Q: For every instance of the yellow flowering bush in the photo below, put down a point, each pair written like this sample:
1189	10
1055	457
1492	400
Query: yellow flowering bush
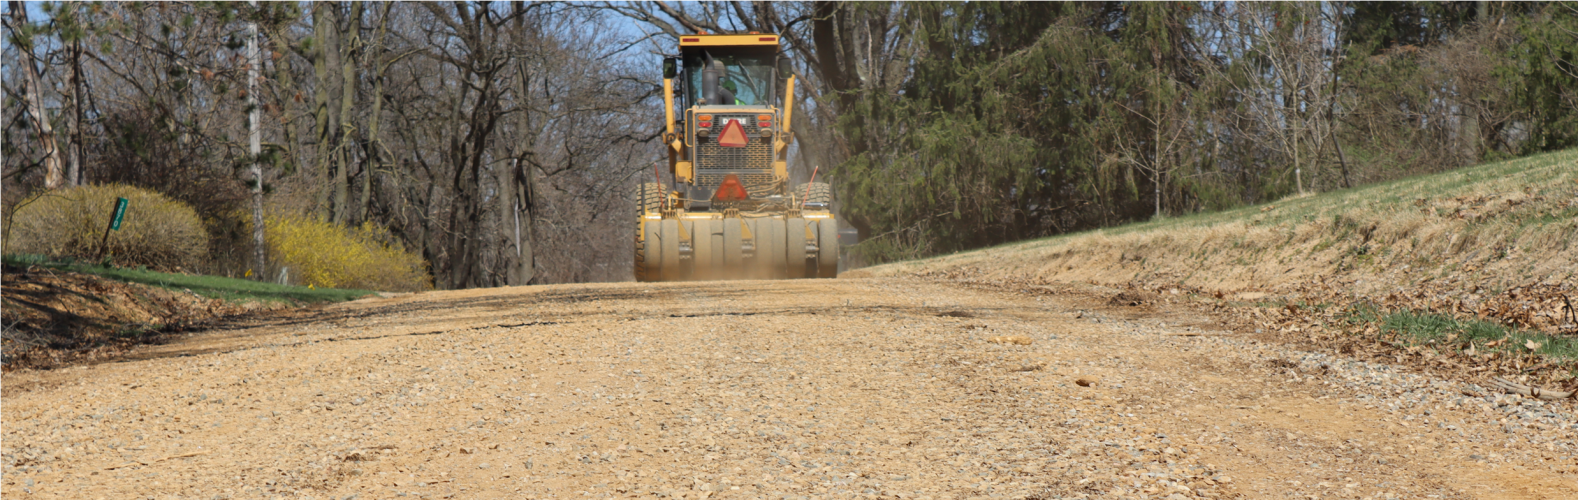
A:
323	254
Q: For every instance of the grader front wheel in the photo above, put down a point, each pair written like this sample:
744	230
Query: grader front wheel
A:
668	237
770	245
827	248
705	252
648	198
649	255
794	250
733	249
641	262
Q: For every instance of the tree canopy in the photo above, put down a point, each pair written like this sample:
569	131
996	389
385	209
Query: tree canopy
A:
498	139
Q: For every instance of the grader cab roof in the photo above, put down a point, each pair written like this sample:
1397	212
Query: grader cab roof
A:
736	40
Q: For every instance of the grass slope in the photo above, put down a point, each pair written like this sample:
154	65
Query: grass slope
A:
1461	256
1499	223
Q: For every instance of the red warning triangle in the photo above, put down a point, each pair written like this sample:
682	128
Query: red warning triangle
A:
733	135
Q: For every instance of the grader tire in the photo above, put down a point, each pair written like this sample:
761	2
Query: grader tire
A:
733	249
819	192
640	261
770	248
649	255
668	236
794	232
827	248
703	250
647	197
752	263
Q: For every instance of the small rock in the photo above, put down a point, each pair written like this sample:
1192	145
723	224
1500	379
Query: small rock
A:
1087	380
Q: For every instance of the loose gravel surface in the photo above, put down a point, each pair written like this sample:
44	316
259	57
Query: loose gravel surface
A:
806	389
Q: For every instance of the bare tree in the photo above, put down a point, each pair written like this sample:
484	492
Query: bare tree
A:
21	32
1279	69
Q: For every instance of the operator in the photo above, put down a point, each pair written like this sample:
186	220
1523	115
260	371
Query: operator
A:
733	92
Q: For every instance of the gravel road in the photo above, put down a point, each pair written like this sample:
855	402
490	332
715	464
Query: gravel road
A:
806	389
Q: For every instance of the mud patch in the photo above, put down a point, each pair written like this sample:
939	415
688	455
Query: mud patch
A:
1132	298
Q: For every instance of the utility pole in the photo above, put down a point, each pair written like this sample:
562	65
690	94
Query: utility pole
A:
256	143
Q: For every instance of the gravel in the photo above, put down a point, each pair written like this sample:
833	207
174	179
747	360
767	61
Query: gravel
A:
806	389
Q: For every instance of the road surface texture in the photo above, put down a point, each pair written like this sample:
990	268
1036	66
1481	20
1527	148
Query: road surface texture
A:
895	388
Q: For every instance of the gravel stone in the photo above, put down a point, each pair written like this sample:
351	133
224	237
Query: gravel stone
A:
789	389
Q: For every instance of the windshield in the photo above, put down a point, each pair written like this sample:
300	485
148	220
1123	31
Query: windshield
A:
749	74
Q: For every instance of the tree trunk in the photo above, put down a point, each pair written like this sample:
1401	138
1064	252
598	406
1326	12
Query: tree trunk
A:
1298	172
75	177
349	39
327	125
374	157
254	143
54	178
523	269
1331	107
286	85
514	230
1156	132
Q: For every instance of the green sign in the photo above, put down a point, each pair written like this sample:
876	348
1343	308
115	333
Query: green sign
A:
120	213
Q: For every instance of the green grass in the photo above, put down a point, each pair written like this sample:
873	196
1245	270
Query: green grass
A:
1372	219
229	289
1542	170
1430	329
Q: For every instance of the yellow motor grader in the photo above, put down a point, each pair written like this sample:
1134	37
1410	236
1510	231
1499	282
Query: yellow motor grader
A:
729	211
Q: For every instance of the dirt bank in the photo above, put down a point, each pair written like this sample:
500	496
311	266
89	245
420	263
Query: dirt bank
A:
57	318
1494	243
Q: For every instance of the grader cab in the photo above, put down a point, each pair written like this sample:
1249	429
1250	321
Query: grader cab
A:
729	211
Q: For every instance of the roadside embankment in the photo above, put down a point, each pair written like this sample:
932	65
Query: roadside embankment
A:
1479	263
57	314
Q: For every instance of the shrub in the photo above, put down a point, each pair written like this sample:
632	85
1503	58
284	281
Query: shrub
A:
156	231
325	254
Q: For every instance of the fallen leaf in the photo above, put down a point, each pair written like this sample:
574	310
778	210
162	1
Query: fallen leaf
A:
1532	345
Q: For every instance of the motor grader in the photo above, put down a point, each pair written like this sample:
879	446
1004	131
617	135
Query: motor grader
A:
728	211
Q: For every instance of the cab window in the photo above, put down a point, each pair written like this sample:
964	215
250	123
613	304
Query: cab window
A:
749	71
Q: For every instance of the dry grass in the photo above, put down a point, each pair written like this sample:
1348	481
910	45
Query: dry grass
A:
1478	230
